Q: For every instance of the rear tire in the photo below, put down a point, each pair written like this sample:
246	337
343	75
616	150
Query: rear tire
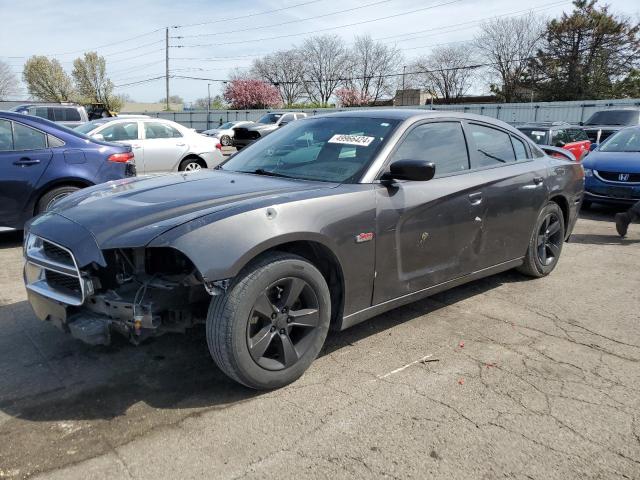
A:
546	242
586	204
225	141
52	196
191	165
271	323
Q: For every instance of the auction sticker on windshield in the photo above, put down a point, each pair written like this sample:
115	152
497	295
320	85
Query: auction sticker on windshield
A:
358	140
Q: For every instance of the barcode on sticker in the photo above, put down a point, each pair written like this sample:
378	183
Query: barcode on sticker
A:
358	140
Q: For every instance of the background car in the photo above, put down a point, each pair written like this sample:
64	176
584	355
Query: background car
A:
267	124
158	145
605	123
612	170
559	134
226	131
69	115
41	162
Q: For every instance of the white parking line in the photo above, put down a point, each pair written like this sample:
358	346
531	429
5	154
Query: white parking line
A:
405	366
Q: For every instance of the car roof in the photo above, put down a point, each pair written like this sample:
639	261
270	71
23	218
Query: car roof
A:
63	105
549	125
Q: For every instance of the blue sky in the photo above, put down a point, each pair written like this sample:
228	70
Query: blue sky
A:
65	28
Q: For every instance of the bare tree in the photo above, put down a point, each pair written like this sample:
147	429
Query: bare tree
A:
46	80
370	64
325	60
285	70
92	83
508	44
8	81
444	71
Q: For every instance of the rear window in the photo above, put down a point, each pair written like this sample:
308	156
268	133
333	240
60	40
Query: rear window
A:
614	117
538	136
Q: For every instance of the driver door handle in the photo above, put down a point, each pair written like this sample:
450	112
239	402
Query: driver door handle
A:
26	162
538	180
475	198
179	144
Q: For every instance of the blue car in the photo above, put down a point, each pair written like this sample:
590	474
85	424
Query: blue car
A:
41	162
612	170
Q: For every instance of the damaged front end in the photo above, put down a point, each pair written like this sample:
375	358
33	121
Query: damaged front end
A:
138	292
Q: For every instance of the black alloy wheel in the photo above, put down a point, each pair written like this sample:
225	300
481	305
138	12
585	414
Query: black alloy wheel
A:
550	239
225	141
282	323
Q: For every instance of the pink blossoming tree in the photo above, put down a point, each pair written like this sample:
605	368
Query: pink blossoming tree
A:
244	94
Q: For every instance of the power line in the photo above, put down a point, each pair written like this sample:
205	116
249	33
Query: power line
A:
265	12
322	29
288	22
140	82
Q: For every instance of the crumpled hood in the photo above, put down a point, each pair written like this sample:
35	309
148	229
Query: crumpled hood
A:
131	213
622	162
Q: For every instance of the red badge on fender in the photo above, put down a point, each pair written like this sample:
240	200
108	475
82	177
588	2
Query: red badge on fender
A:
364	237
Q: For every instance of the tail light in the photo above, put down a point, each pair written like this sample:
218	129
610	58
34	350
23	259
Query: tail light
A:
126	157
219	146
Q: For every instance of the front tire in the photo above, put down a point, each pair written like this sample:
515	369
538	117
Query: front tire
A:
546	242
271	323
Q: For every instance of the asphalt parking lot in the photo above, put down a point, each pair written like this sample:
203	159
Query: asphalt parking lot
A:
502	378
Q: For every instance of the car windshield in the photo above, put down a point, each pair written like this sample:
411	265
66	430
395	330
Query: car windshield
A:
623	141
225	126
328	149
270	118
538	136
614	117
89	126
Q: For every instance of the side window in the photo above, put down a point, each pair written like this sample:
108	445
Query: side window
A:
153	130
560	137
54	141
287	118
71	115
442	143
58	114
578	135
6	136
519	148
27	138
119	132
492	147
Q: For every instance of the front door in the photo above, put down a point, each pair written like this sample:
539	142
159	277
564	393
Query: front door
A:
24	156
428	232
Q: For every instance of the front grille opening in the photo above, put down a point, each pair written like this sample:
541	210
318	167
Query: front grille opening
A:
62	282
56	253
615	176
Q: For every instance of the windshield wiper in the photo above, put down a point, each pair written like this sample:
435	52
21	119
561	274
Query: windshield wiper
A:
267	173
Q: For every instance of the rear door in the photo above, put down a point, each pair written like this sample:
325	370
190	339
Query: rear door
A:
163	145
427	232
513	189
24	156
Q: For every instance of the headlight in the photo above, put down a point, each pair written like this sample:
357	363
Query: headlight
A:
588	172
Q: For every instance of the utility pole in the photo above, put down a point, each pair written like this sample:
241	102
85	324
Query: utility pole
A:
166	65
208	103
404	69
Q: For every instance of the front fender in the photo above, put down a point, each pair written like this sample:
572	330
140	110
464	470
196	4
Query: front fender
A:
222	243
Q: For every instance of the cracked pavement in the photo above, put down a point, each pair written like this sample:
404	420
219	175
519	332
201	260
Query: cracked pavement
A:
526	379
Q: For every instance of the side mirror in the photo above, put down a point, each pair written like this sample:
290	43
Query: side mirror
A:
560	144
416	170
593	146
98	136
282	124
581	124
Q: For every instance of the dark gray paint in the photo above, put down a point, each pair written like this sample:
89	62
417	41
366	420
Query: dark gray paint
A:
428	235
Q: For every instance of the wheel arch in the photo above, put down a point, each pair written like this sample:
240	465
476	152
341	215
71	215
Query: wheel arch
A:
193	156
563	203
58	182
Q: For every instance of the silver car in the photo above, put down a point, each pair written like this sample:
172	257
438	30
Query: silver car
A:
68	114
158	145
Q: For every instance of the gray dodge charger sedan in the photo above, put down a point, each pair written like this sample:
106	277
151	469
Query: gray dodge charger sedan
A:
325	223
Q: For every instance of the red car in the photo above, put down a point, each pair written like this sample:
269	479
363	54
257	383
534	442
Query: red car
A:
559	134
